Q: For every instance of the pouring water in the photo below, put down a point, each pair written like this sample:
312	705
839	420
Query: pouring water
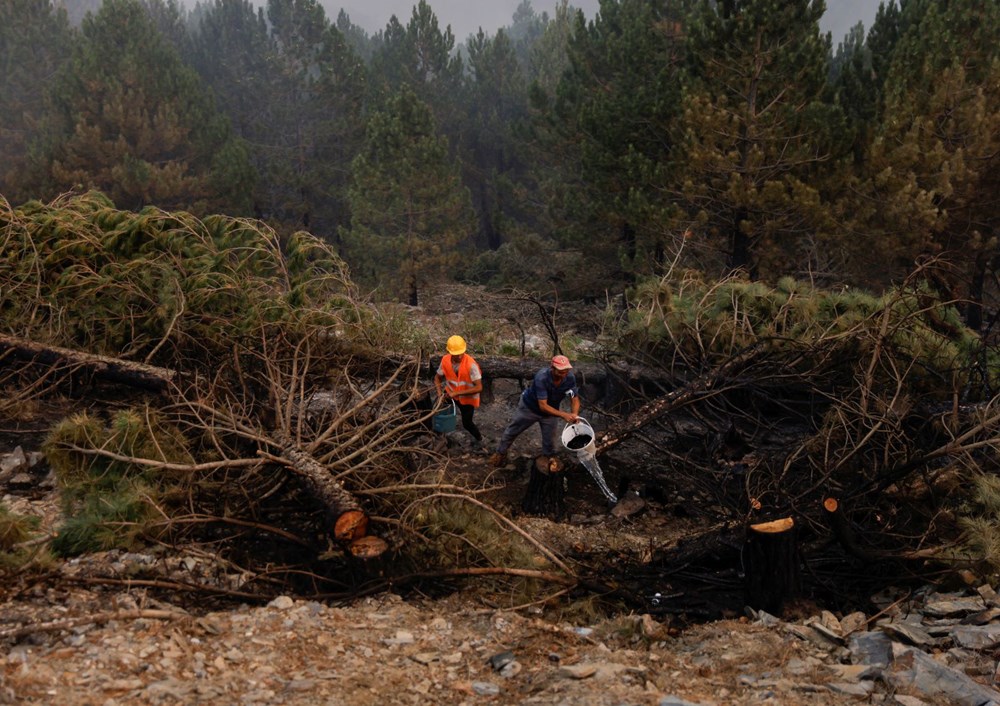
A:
579	437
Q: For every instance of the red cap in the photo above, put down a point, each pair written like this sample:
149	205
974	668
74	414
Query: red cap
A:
561	362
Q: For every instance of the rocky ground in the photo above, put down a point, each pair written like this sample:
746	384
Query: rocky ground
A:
66	641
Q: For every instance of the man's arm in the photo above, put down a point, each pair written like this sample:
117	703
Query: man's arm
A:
549	409
477	386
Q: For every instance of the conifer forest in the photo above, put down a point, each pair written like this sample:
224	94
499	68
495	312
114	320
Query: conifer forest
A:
223	221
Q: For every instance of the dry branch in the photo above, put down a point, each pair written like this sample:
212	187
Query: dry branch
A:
68	623
698	388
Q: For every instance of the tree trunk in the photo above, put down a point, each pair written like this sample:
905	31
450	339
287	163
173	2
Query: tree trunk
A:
675	399
771	562
348	523
546	493
125	372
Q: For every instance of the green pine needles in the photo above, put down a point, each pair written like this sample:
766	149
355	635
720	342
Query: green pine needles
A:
152	285
109	493
710	321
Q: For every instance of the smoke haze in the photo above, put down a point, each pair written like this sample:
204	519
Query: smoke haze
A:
467	16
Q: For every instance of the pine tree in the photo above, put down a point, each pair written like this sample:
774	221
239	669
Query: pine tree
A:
35	41
294	91
758	130
132	121
547	57
856	89
933	170
607	132
497	104
421	57
409	209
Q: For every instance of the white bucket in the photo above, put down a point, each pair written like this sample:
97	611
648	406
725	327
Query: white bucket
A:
579	437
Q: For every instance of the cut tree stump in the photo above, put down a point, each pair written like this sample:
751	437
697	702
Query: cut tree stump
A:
368	557
841	526
546	492
771	565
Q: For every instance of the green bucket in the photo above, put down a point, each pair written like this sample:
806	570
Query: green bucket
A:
444	422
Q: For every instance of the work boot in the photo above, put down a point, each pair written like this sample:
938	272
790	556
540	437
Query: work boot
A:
498	459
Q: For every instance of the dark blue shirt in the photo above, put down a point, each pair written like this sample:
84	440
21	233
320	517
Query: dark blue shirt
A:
543	387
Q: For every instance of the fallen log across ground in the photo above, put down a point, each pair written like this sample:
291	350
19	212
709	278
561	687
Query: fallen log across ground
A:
586	373
151	377
348	522
125	372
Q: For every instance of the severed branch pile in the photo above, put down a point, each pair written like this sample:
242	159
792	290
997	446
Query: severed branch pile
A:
272	433
867	431
294	455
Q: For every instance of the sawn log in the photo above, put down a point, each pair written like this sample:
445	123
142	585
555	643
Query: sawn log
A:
348	522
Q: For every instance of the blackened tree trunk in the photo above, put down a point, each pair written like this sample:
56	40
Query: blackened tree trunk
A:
771	562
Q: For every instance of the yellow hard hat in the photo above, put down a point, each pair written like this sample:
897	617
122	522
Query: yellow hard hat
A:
456	345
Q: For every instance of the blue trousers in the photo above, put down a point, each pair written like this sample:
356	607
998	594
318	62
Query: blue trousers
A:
524	418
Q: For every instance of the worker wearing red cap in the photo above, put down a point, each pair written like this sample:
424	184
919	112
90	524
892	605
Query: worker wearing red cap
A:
463	381
539	404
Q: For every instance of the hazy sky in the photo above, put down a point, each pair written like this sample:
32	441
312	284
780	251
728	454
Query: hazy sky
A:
466	16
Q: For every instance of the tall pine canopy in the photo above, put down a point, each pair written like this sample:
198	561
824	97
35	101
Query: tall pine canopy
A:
758	130
410	211
607	130
35	41
494	155
933	172
134	122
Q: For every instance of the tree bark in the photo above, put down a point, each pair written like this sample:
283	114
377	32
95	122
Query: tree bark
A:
348	522
771	561
125	372
545	494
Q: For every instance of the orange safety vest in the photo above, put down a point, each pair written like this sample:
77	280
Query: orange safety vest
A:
462	380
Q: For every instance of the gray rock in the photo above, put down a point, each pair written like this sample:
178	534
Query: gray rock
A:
578	671
810	634
988	595
833	635
952	607
983	617
485	688
871	648
904	700
913	669
856	672
501	660
976	637
910	633
14	461
281	603
861	688
853	623
511	669
677	701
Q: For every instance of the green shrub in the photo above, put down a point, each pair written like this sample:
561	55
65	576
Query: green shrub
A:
108	494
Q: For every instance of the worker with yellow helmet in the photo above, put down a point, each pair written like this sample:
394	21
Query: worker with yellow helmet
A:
462	382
